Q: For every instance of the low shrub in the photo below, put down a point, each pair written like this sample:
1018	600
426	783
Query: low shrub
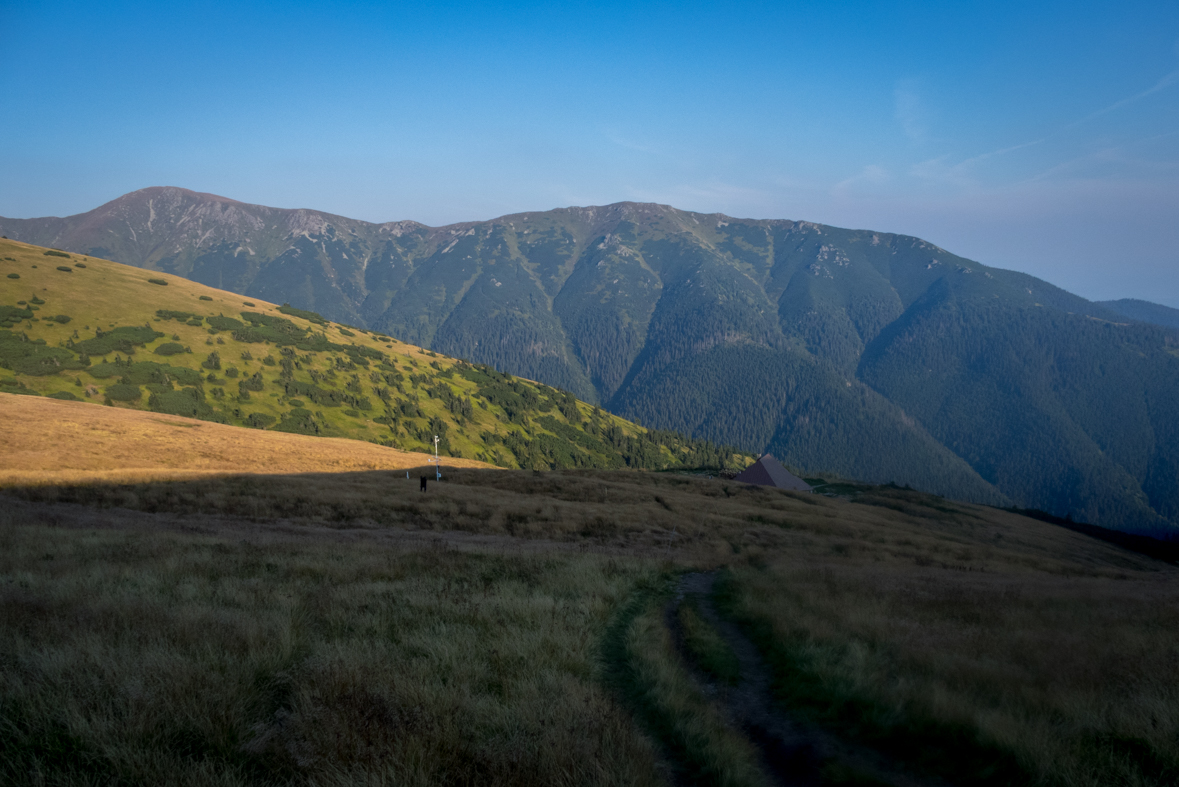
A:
65	268
123	392
65	396
169	348
161	282
286	308
61	318
14	275
79	265
55	253
205	298
168	314
260	420
188	402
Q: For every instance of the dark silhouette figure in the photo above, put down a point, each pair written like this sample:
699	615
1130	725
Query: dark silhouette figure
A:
423	483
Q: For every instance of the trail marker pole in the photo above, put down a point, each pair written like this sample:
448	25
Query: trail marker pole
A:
435	461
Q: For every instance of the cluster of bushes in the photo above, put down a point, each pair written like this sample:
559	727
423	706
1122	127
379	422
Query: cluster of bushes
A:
189	402
11	315
123	392
34	357
170	348
122	340
301	421
168	314
312	317
145	372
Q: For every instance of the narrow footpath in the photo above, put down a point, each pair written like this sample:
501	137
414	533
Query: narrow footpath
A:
793	754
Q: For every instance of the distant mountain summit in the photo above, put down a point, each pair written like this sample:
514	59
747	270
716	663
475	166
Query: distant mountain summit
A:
1144	311
877	356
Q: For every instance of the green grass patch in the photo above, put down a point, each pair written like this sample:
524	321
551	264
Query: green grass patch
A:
705	645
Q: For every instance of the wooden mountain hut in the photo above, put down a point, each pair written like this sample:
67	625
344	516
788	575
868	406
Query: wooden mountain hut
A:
768	471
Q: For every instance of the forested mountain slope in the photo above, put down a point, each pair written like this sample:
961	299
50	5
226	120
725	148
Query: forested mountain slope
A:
878	356
1144	311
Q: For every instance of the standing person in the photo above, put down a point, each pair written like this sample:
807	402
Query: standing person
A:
423	483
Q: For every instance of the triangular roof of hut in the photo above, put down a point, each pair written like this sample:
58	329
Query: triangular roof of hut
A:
767	471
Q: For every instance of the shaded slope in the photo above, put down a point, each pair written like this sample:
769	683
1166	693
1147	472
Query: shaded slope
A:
1059	410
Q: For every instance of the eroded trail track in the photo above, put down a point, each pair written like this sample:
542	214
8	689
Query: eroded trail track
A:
793	753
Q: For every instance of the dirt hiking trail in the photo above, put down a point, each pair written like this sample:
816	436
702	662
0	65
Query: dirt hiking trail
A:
793	753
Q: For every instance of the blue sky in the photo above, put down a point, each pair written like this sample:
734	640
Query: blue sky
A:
1037	136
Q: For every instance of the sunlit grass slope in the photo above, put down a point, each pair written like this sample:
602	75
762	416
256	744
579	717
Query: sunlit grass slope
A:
55	442
76	327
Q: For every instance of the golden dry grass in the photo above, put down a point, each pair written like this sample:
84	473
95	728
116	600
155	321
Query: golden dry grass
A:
47	441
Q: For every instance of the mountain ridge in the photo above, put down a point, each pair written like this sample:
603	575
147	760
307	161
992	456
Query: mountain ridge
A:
798	338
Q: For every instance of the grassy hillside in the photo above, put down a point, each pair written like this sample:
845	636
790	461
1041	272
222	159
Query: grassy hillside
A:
78	328
48	441
519	628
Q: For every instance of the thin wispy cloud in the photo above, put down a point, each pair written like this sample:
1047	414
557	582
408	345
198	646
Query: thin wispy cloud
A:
1164	83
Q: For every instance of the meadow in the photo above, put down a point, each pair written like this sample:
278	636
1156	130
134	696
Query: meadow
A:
519	627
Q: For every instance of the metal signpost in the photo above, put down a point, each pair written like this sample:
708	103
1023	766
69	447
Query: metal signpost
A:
435	461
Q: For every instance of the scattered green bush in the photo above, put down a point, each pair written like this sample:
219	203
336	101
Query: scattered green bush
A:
65	396
34	357
253	383
223	323
61	318
205	298
79	265
161	282
346	332
65	268
168	314
189	402
14	275
36	301
123	392
286	308
54	253
122	340
11	385
144	372
299	421
260	420
247	303
169	348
